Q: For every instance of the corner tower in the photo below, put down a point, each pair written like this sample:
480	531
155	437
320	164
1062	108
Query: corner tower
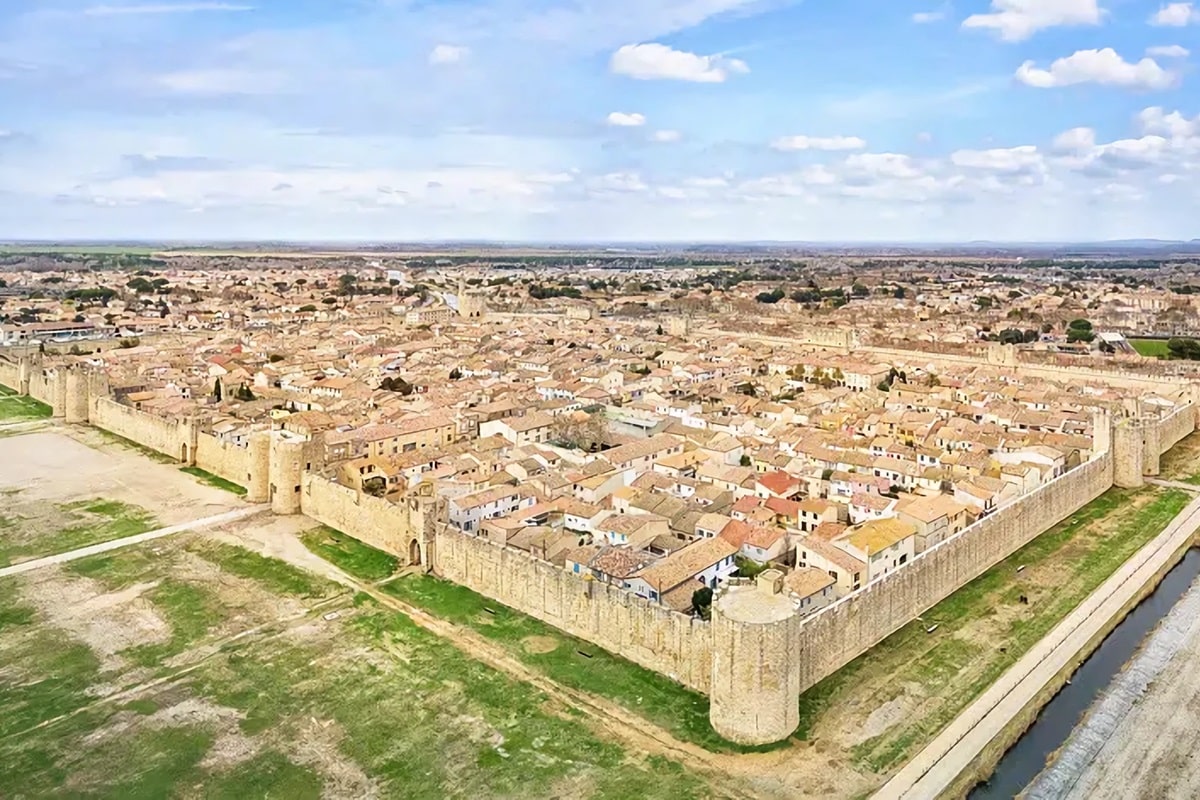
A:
755	696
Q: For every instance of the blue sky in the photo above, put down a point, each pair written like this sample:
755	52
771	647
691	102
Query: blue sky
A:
570	120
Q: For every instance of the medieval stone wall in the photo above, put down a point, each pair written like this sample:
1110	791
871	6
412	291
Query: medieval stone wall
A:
834	636
655	637
162	435
223	459
390	527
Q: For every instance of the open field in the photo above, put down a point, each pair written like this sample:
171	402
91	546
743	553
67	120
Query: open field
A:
31	530
675	708
15	408
199	669
191	666
350	555
59	466
1151	348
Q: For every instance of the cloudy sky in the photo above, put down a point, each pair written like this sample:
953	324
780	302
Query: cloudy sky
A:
560	120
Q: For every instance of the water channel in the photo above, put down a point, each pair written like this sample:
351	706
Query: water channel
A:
1100	679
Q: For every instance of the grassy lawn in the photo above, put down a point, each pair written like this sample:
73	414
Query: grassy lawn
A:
350	555
366	703
15	408
673	707
73	525
215	481
273	574
1152	348
983	629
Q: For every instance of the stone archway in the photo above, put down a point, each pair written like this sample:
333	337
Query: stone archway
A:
414	553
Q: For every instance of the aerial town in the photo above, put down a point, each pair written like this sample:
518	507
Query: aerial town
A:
737	473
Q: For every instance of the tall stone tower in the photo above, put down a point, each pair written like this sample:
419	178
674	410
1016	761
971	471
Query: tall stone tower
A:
470	304
755	696
287	469
1129	454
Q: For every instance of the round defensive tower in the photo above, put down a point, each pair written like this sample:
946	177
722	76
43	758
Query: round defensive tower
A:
755	697
78	396
287	456
1129	454
258	481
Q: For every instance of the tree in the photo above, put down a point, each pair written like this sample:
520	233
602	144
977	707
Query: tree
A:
771	297
244	394
1183	348
275	358
217	393
346	284
702	602
899	293
308	309
659	331
745	460
455	374
1080	330
397	385
859	290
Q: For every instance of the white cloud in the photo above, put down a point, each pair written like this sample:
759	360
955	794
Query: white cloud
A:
1176	15
1104	67
448	54
162	8
619	119
1076	140
659	62
1154	120
222	82
1017	20
884	165
666	136
1023	159
794	143
620	182
925	17
1168	51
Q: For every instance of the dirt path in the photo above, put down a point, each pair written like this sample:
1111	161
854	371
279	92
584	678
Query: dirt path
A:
787	773
129	541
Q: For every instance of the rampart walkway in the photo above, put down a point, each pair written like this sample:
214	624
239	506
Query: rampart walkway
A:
149	536
936	769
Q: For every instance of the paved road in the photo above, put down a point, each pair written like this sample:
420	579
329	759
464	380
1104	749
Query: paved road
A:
149	536
936	767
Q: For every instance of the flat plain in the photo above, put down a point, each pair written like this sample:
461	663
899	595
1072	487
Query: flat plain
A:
192	666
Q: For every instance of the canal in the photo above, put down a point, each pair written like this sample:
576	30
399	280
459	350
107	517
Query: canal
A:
1021	766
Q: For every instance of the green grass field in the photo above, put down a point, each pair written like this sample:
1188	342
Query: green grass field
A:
350	555
216	481
983	628
1151	348
15	408
659	699
364	703
69	527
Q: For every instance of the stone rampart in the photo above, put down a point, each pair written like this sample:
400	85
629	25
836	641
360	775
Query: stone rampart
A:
162	435
834	636
10	374
1172	429
651	635
388	526
223	459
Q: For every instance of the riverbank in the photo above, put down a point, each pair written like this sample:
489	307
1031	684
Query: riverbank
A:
968	750
1139	739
